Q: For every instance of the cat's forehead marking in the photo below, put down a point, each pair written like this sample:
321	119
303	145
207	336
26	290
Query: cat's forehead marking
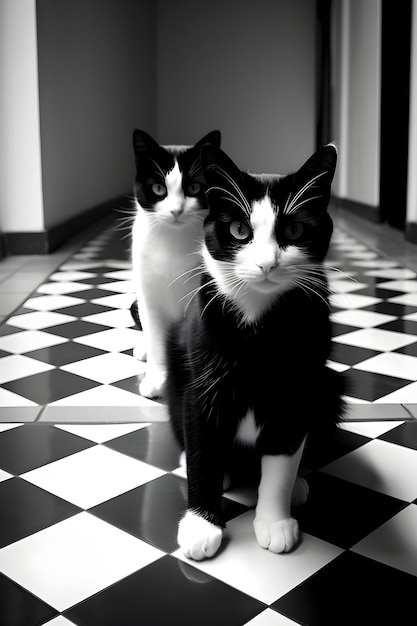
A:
263	218
174	178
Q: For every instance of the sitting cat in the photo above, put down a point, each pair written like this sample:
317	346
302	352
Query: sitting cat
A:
247	365
166	236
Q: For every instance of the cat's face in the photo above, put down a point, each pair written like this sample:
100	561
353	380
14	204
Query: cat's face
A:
266	234
169	184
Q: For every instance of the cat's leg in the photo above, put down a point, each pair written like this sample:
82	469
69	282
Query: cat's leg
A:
275	529
154	332
200	530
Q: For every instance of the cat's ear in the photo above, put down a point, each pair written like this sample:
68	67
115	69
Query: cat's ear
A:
142	143
218	168
322	164
214	138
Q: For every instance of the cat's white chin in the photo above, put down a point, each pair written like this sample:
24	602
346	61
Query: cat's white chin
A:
265	286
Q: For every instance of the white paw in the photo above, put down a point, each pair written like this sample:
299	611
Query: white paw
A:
152	385
198	538
300	492
277	537
139	352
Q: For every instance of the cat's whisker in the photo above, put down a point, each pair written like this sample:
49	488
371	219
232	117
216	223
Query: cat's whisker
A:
235	187
194	272
295	208
292	200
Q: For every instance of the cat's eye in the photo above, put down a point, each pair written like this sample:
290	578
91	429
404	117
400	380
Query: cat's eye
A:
159	190
239	230
193	189
294	231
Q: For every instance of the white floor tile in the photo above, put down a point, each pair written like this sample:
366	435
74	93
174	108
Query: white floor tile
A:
72	560
395	542
101	432
92	476
120	318
114	340
39	320
50	303
67	276
381	466
376	339
118	301
260	573
269	618
378	264
4	475
352	300
120	275
408	286
106	396
360	318
107	368
405	395
29	340
391	364
120	286
346	286
10	399
409	299
61	288
19	366
394	273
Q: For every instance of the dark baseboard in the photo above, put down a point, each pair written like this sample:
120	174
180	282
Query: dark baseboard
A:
49	240
411	232
2	247
367	211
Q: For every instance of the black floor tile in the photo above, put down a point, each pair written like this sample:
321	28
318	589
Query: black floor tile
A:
49	386
82	310
352	590
165	593
341	512
370	386
401	326
26	509
319	451
404	435
73	330
152	511
350	355
20	608
56	355
155	445
26	447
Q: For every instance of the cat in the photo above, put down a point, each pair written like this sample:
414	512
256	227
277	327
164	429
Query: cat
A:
247	365
166	236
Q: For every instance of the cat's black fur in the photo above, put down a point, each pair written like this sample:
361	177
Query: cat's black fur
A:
153	161
219	367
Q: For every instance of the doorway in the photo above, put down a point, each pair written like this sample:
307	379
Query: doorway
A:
395	94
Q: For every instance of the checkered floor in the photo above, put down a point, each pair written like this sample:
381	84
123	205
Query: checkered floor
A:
91	492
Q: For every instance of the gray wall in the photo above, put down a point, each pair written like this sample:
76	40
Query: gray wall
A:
248	68
96	83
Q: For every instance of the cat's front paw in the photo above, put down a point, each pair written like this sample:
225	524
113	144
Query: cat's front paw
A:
280	536
198	538
152	385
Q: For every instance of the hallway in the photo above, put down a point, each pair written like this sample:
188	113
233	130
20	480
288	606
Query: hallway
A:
91	491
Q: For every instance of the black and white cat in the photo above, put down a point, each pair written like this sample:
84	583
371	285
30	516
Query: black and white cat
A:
166	237
247	366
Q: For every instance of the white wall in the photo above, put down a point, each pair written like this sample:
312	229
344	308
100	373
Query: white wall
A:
21	201
247	68
357	85
97	82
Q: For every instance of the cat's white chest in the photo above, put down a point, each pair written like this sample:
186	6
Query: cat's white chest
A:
248	431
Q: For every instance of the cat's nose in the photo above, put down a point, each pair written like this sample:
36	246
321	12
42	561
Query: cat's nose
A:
177	212
267	266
